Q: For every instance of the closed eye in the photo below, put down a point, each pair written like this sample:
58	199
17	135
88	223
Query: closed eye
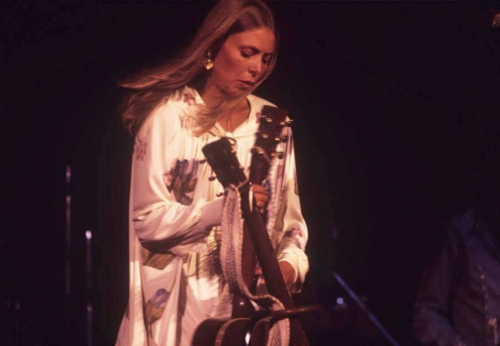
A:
247	52
267	59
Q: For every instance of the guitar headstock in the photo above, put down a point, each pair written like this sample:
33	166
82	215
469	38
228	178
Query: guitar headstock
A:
221	156
272	122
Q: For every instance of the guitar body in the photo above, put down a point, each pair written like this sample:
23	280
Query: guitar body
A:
231	332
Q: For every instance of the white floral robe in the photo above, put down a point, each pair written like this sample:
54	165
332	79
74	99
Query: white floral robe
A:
175	280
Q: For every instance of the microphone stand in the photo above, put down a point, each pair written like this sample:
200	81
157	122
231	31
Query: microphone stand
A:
88	260
363	308
67	255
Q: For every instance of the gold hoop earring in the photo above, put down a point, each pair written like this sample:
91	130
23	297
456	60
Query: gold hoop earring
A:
208	63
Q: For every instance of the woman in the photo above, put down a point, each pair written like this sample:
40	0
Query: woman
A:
175	204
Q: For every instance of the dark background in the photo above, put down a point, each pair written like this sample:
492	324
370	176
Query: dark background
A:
395	107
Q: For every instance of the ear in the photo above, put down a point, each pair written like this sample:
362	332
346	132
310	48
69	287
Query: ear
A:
216	46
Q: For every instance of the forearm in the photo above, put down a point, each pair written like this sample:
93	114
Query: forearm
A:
173	227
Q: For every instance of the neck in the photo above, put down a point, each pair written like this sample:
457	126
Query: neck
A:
235	116
212	96
234	112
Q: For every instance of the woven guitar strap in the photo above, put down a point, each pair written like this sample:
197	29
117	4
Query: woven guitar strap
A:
231	262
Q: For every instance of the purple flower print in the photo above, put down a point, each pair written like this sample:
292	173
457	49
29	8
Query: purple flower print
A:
294	234
182	179
156	305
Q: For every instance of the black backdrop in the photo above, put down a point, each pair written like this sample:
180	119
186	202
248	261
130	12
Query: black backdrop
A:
395	108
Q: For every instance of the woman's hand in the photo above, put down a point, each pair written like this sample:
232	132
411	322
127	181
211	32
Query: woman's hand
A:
287	271
261	197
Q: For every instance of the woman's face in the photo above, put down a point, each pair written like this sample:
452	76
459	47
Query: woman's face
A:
241	62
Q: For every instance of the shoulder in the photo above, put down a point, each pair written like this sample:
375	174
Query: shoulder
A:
167	116
177	102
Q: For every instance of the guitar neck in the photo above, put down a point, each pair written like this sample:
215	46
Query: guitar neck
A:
271	271
265	150
256	241
267	258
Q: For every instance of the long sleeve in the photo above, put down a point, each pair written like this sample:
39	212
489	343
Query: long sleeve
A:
432	316
164	219
294	235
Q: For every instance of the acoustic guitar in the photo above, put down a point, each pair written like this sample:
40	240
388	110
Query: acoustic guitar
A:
247	326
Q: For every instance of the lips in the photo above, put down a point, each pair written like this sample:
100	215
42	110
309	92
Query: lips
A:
246	83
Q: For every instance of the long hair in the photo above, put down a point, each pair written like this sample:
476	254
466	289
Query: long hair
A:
152	87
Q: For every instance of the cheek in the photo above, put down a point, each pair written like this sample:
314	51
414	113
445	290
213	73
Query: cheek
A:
230	64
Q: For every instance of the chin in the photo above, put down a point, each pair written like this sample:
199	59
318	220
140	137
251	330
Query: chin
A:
235	93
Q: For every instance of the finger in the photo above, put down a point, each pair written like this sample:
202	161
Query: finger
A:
261	201
288	272
260	193
258	188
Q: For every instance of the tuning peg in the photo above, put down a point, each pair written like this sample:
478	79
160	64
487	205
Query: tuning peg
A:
264	135
256	151
269	120
212	176
286	123
284	138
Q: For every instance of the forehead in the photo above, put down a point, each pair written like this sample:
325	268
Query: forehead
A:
261	38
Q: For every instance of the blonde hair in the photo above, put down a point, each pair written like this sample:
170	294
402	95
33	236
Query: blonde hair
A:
152	87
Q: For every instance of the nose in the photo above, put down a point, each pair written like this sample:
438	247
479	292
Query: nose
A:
256	68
